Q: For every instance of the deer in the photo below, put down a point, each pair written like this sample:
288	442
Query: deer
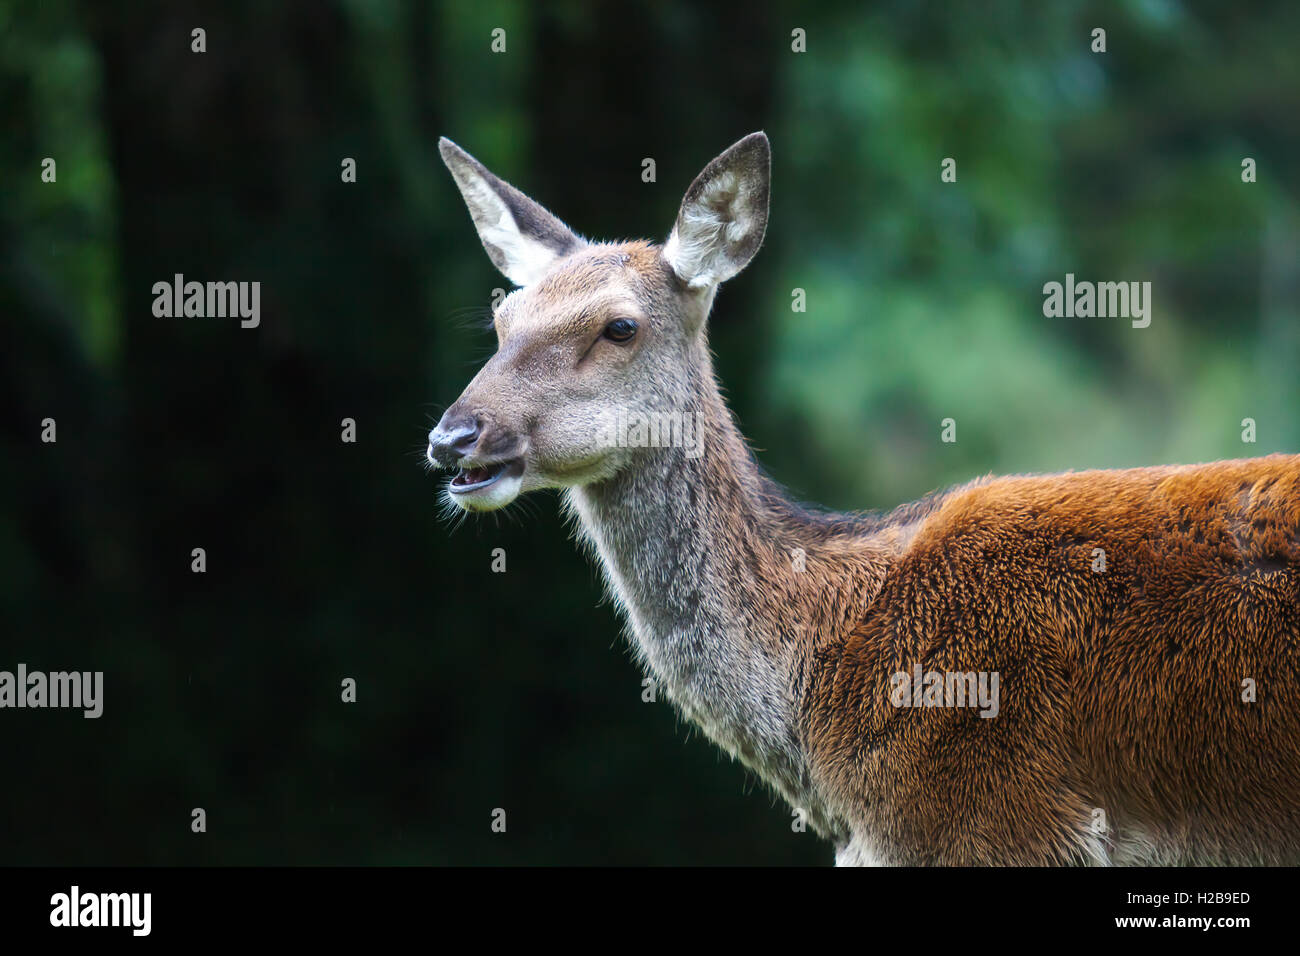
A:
1125	643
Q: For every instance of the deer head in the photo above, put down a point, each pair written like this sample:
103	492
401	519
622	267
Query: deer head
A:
597	334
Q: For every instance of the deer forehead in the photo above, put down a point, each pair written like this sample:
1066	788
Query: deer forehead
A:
586	289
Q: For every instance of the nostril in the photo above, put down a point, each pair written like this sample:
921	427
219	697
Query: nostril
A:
455	440
464	439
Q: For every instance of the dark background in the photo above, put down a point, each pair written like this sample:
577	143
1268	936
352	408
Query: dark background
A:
329	560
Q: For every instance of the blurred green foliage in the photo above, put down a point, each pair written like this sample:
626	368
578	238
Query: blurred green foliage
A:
480	690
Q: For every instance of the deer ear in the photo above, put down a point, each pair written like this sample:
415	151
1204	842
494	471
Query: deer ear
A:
724	215
522	239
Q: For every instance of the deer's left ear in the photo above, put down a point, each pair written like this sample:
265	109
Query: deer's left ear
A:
724	215
522	239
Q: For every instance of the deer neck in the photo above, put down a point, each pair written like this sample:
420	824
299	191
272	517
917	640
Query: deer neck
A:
728	588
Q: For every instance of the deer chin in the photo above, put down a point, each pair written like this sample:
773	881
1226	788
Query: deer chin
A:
487	487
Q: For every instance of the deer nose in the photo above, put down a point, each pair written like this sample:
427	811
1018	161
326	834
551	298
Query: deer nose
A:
453	440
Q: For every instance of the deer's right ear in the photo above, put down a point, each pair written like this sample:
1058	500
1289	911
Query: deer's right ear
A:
522	239
724	215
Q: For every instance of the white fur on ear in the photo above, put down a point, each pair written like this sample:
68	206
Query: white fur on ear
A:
521	238
525	260
723	217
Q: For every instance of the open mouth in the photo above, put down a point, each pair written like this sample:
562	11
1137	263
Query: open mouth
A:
478	477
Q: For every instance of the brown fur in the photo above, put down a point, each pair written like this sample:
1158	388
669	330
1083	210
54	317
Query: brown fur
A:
1122	689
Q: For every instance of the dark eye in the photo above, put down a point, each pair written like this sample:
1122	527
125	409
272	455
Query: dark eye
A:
620	331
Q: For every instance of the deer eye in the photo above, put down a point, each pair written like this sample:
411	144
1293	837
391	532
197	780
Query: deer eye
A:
620	331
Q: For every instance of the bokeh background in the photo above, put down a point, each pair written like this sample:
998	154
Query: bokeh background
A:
329	560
